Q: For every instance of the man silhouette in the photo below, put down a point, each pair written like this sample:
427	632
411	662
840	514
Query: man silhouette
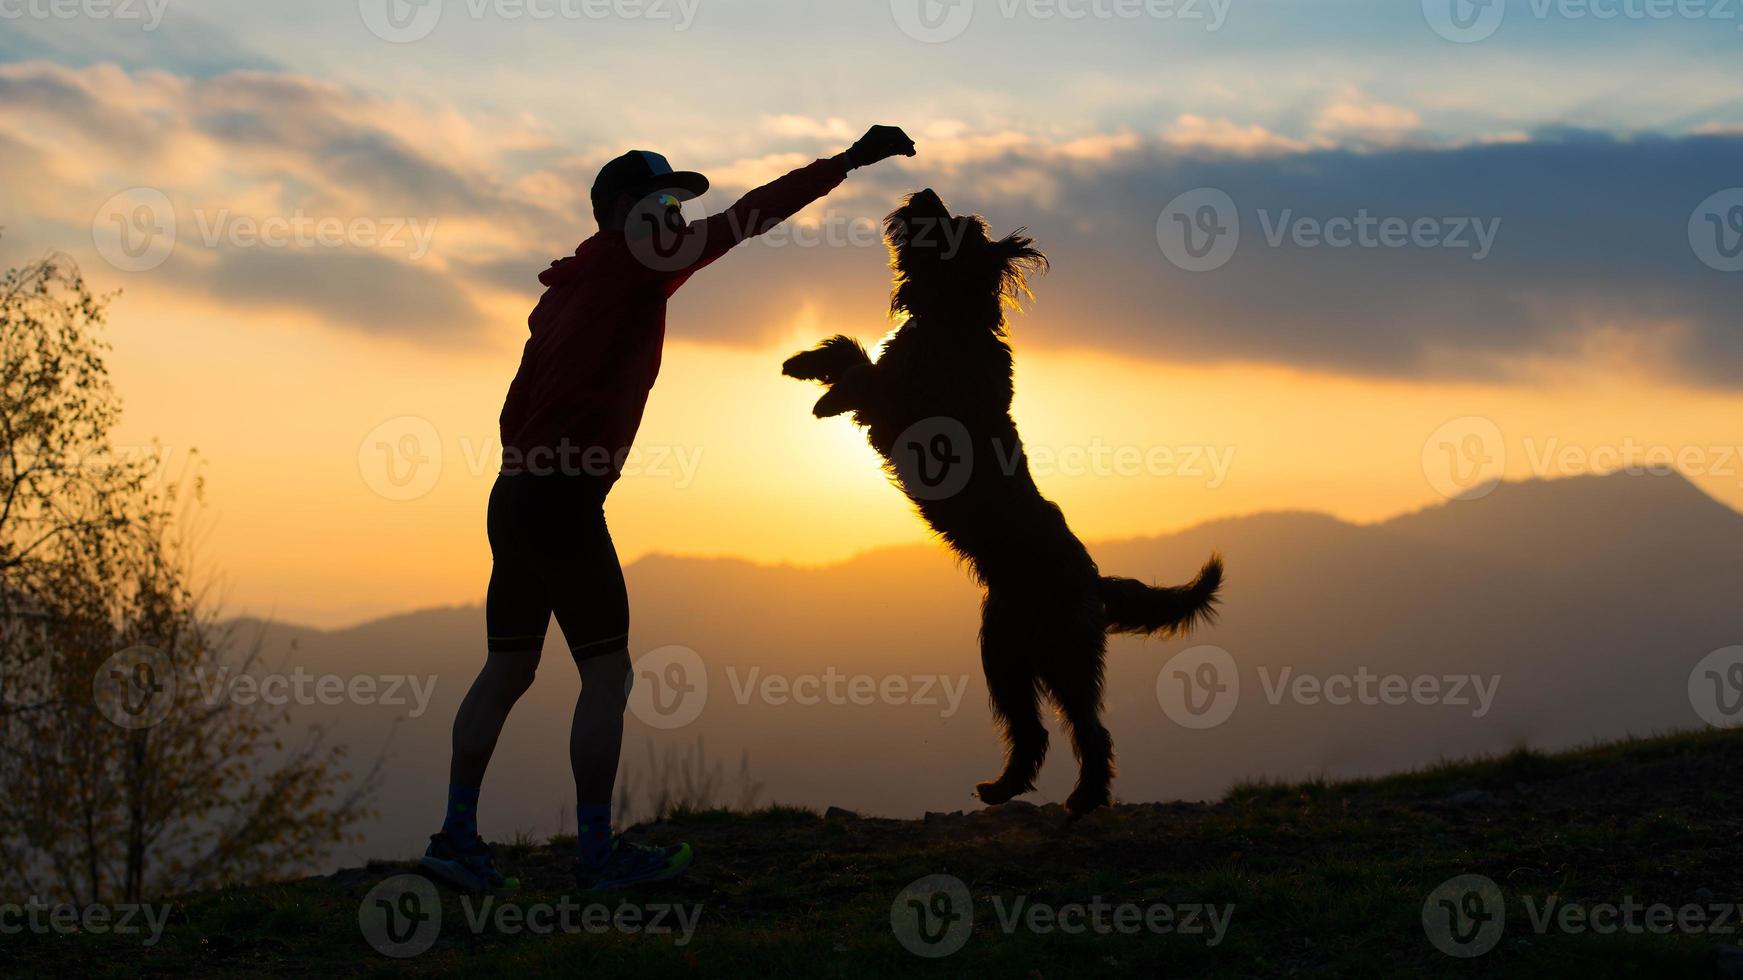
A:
567	423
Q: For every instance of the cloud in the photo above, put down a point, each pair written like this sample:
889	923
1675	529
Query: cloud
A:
1590	256
1191	132
358	290
832	129
132	36
1355	115
251	147
1590	246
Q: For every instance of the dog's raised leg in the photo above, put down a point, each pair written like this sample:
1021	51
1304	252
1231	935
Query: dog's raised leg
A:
828	362
850	393
842	364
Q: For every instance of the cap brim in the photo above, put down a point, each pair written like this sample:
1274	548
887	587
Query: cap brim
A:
684	185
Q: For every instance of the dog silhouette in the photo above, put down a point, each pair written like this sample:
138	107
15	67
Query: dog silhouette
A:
937	405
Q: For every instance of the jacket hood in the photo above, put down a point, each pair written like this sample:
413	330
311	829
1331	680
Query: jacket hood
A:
569	266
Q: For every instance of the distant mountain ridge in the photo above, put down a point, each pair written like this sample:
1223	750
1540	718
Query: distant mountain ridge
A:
1587	600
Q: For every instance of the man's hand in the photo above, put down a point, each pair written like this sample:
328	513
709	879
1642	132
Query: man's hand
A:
879	143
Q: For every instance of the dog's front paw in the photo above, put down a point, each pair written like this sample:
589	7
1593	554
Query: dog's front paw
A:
826	362
810	365
833	403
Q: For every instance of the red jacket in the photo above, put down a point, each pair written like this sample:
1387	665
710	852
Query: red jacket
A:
597	333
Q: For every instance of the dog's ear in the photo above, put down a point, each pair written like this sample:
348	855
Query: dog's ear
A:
1017	259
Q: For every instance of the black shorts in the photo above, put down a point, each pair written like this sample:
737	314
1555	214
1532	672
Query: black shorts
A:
551	553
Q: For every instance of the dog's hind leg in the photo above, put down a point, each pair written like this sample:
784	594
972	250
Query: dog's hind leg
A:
1075	681
1016	704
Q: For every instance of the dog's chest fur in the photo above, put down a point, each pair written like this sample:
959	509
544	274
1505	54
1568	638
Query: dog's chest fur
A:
938	370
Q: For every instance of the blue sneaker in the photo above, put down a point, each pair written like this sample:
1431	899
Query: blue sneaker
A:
633	864
468	867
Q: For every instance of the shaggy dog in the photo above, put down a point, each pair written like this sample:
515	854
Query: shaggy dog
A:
937	406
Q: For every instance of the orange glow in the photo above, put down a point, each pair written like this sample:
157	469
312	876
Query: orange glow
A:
739	467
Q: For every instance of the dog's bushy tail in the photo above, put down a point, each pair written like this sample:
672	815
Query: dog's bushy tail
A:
1133	607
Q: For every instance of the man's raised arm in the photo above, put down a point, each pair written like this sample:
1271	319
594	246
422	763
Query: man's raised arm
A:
780	199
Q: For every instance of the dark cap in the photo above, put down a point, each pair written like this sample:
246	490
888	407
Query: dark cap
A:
641	172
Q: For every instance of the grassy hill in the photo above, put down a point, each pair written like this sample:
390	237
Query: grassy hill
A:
1314	878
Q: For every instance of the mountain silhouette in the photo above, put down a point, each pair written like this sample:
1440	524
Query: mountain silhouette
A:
1586	601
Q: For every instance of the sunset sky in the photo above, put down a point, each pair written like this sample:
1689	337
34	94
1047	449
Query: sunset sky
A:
1549	284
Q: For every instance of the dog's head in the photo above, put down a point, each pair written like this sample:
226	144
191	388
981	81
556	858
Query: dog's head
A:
944	261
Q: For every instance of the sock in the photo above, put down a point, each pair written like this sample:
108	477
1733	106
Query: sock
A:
462	820
593	833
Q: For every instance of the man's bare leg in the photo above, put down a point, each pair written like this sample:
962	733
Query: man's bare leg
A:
478	724
596	736
595	742
458	855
